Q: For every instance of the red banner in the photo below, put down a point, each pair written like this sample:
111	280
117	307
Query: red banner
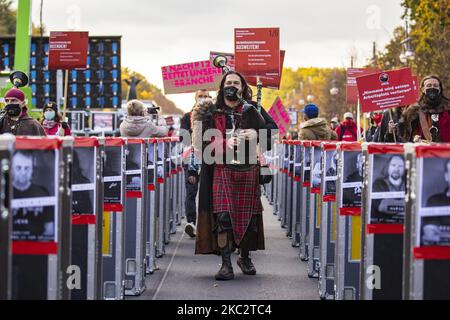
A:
280	116
68	50
385	90
352	89
257	51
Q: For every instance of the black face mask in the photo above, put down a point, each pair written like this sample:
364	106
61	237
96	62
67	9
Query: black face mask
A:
231	93
13	110
433	95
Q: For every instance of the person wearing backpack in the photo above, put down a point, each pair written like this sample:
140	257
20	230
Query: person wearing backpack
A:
348	129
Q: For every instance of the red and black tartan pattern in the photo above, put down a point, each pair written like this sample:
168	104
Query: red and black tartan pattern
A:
239	194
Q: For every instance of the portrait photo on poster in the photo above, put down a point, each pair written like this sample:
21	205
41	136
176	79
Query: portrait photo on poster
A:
298	161
151	164
34	204
112	170
83	178
330	172
316	172
307	165
160	159
352	185
435	183
134	167
388	188
435	231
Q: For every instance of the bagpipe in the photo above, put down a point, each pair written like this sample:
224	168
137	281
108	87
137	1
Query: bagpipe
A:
250	117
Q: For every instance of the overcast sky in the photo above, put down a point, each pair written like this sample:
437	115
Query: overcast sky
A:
321	33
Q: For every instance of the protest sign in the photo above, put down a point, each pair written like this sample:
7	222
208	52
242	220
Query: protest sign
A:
386	90
257	51
68	50
280	116
190	77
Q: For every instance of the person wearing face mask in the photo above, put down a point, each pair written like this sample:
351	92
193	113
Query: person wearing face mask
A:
192	176
434	110
230	208
375	120
15	119
348	129
52	121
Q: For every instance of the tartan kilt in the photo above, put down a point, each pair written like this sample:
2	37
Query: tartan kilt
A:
239	194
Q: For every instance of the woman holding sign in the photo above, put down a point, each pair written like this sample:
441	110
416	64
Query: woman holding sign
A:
230	209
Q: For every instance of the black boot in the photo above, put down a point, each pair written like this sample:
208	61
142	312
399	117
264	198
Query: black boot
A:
245	263
226	271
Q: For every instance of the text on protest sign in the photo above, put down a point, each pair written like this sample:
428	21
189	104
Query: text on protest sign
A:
269	81
68	50
190	77
352	89
280	116
257	51
386	90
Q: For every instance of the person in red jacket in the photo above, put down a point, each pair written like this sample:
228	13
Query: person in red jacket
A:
348	129
52	121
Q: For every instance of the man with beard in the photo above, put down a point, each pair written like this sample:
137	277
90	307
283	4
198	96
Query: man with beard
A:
30	223
393	180
442	199
352	195
331	172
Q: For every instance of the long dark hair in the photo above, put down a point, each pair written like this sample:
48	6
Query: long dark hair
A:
441	87
246	90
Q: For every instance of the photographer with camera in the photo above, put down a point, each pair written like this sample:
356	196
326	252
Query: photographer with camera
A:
15	119
137	125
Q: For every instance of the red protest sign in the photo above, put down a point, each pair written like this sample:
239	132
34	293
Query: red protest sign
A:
268	81
68	50
257	51
280	116
190	77
384	90
352	90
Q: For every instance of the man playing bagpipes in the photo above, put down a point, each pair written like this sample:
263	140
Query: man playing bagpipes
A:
230	208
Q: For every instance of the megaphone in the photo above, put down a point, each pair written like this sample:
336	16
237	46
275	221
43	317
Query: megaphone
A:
18	79
221	62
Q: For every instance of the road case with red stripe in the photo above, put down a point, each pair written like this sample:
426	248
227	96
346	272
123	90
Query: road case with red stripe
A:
297	189
135	218
151	208
328	221
6	152
427	223
87	216
314	209
348	244
161	183
113	249
383	209
305	198
41	228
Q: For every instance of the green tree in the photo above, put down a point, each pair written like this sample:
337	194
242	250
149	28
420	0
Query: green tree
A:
291	90
7	18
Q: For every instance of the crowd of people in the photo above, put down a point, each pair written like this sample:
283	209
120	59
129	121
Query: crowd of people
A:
228	214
